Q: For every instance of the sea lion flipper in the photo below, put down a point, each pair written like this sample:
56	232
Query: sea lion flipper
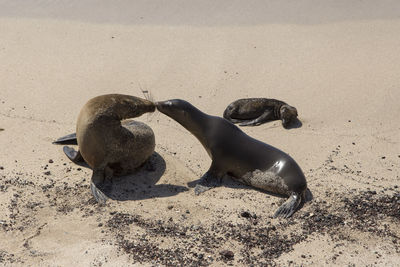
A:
72	154
234	120
289	206
98	178
209	180
266	116
69	139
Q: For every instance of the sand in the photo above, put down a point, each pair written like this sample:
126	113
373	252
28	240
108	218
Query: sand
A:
337	62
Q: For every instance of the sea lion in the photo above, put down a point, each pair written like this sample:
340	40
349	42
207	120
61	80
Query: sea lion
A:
110	146
255	111
235	153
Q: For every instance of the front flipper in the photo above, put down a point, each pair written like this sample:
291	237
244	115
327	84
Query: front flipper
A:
266	116
209	180
98	177
67	140
72	154
289	206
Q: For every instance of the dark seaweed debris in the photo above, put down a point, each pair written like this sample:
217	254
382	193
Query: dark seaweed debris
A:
367	205
260	242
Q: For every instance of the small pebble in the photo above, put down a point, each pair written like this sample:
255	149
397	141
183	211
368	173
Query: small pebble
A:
47	173
227	254
51	161
245	214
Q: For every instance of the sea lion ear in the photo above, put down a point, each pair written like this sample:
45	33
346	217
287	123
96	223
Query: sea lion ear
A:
284	108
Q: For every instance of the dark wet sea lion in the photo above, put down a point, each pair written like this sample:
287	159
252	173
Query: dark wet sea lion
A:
235	153
255	111
108	143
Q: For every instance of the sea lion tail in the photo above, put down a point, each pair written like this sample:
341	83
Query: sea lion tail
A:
289	206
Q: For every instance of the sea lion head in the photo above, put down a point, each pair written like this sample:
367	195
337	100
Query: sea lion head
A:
288	114
232	111
180	110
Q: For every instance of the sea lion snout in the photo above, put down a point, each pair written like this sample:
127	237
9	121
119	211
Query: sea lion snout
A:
163	104
229	111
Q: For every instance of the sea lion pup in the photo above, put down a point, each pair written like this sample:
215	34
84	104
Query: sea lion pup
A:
110	146
255	111
235	153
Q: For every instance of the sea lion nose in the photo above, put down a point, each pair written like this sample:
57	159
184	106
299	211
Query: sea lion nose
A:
162	105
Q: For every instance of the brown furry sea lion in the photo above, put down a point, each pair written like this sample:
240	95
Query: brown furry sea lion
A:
107	143
255	111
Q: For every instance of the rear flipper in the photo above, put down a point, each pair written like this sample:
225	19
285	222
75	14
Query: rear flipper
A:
234	120
97	180
289	206
266	116
67	140
209	180
72	154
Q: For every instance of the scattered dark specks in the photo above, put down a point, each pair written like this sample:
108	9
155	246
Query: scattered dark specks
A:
79	169
383	157
51	161
1	129
170	207
349	120
303	256
47	173
353	143
1	168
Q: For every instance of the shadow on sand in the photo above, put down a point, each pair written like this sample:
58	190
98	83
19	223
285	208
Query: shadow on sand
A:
143	183
296	123
230	182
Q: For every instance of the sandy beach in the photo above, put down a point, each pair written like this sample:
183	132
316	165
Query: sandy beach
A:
337	62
